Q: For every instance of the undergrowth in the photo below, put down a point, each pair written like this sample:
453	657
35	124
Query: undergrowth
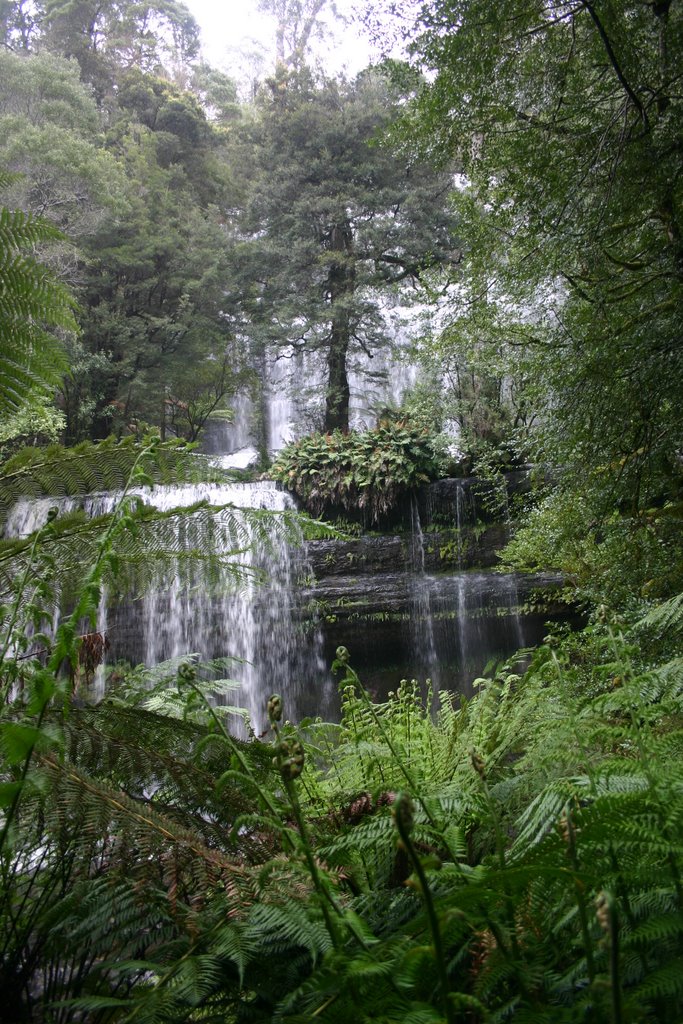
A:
514	857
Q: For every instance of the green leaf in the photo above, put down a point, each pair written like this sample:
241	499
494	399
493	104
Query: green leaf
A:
17	741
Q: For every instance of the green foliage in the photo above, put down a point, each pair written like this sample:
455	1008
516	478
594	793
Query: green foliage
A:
56	471
106	37
566	120
360	471
79	793
331	221
33	306
137	187
155	280
616	558
513	857
50	132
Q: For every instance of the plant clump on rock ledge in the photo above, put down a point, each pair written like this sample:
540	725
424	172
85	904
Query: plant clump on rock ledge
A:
362	472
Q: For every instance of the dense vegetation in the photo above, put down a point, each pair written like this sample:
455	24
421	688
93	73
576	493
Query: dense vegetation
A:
516	856
360	472
566	120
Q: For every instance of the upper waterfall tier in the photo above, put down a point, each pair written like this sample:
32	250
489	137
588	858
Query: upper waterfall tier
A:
31	514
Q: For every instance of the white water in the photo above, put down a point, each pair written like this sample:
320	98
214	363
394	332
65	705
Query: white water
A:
462	619
252	623
29	514
422	625
482	620
226	436
294	388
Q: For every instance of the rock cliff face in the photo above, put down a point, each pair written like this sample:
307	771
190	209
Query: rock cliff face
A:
441	551
426	600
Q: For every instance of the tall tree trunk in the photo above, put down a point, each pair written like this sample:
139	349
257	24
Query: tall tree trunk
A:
338	392
341	283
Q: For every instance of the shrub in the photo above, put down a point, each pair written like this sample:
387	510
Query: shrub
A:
361	471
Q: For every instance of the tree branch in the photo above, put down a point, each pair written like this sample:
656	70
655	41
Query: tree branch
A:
635	100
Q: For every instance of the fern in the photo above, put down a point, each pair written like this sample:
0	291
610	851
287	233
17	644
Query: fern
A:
665	617
89	468
539	879
33	307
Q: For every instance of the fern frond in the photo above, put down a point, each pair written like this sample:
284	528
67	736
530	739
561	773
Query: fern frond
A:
277	929
137	750
196	546
664	983
664	617
101	809
88	468
33	305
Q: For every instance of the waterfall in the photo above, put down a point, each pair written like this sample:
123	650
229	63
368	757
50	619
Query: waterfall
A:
476	621
223	436
100	678
30	514
421	619
468	621
256	624
293	382
460	620
381	596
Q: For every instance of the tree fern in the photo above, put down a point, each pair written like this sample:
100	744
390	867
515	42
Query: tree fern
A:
33	307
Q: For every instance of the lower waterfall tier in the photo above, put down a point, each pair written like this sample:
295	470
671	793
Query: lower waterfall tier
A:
443	627
419	604
447	628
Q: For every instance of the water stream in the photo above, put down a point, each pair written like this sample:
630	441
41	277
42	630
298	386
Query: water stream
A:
421	618
280	632
253	623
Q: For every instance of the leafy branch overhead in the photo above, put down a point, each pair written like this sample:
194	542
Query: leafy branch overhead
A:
566	119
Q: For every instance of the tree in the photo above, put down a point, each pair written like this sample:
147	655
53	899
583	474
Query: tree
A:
566	120
50	133
216	92
108	37
297	21
146	244
154	284
333	223
18	23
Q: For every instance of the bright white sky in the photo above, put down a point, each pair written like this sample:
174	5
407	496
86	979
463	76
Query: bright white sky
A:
235	35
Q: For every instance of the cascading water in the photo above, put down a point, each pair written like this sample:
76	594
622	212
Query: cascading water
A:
480	623
222	436
421	619
292	408
255	625
397	603
476	598
446	616
280	391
